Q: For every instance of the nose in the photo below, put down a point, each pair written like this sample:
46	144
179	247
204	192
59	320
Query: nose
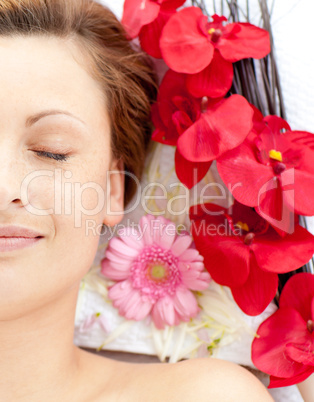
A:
6	200
10	180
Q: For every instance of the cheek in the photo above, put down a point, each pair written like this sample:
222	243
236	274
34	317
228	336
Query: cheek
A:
89	203
78	226
68	193
89	193
38	192
69	205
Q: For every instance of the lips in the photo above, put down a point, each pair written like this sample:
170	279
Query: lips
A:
18	231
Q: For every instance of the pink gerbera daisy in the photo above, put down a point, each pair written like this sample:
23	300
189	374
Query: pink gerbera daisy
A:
155	269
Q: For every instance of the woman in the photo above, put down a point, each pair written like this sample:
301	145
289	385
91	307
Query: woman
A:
75	105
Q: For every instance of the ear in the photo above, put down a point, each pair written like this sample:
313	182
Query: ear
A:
115	193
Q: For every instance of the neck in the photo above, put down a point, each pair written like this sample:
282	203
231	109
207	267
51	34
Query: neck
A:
38	360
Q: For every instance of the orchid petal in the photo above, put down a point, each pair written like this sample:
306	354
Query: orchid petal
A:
302	299
214	81
137	13
150	34
276	382
190	173
248	41
243	174
257	292
270	250
182	45
268	350
217	131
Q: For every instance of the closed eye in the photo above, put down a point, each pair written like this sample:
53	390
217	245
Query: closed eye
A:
50	155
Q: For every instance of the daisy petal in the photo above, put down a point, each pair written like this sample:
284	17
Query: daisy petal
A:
114	271
181	244
185	303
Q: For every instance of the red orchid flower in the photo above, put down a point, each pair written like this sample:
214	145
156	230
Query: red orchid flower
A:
272	170
241	250
175	111
201	132
190	44
146	19
285	344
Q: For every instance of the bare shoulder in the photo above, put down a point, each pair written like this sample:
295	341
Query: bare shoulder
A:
208	379
205	379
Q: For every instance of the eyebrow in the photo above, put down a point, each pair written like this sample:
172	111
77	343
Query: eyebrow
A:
33	119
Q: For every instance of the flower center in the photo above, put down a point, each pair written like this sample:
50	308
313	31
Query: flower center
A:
276	155
248	239
310	325
243	226
279	167
215	34
157	272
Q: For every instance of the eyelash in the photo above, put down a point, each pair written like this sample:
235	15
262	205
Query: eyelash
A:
50	155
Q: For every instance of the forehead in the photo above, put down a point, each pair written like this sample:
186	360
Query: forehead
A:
46	72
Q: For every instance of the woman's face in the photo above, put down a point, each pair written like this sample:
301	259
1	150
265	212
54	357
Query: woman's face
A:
66	201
